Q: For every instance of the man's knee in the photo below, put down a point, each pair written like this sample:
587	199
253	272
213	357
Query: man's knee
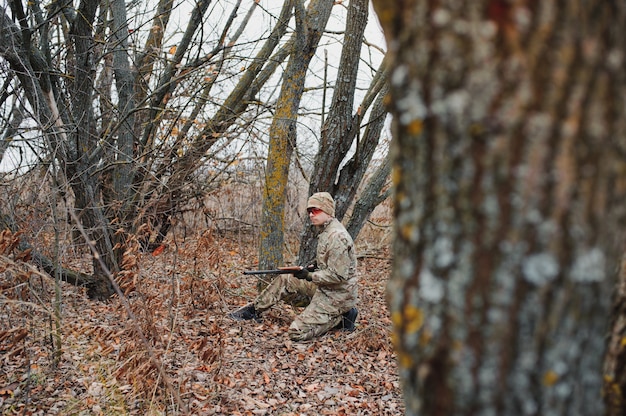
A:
299	331
298	336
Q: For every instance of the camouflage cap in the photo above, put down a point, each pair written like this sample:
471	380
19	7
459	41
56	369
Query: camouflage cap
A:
323	201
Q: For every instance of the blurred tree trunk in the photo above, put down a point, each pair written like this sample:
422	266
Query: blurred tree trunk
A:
510	193
310	24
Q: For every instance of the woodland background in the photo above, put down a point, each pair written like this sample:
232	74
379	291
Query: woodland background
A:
146	150
168	348
152	150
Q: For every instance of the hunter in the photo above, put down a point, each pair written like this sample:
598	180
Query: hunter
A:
332	286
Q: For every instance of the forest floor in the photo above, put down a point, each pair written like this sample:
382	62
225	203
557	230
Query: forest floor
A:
168	348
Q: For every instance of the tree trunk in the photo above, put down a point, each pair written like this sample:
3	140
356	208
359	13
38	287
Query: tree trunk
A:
85	182
342	128
509	203
351	176
353	172
310	25
123	172
372	196
40	96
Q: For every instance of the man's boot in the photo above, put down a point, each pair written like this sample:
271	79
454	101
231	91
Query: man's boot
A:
245	314
349	320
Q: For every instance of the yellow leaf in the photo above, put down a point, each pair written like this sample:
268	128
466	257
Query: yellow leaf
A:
172	50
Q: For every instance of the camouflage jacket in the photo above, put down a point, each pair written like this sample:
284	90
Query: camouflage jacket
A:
336	261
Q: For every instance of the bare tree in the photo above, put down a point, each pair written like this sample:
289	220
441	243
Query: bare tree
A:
133	126
508	151
310	24
119	126
342	130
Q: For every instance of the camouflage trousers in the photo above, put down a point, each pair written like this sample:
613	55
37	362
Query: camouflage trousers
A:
316	319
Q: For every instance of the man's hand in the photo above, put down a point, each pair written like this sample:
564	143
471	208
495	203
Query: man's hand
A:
303	274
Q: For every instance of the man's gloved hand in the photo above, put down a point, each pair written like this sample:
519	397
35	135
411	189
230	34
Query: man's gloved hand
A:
303	274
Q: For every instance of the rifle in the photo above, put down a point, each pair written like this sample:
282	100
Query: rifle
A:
280	270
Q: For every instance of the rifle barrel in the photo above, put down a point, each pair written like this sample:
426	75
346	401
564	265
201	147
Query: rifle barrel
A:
276	271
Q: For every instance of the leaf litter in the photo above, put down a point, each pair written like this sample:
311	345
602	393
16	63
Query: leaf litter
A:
181	355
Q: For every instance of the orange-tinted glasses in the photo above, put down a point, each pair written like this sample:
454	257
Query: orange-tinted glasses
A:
313	211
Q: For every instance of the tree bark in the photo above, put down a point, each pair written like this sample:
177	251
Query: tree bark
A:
509	201
341	126
373	195
123	173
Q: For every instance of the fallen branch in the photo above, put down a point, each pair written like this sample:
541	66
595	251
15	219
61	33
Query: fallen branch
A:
73	277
